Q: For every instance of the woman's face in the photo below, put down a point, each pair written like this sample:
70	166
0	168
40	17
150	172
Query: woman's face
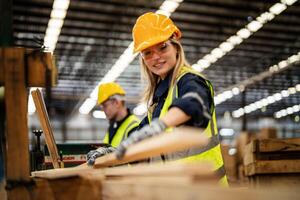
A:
160	58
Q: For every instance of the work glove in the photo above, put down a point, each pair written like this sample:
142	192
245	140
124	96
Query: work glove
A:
156	127
101	151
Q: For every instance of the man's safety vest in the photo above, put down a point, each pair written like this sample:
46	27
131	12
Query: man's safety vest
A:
122	133
212	152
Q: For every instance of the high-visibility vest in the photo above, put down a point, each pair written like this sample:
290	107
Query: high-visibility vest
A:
122	133
212	152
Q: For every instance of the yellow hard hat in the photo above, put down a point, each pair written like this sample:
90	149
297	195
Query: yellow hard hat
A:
151	29
107	90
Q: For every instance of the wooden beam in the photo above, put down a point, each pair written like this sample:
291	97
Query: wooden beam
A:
272	166
40	65
159	190
179	139
45	122
201	169
271	145
17	147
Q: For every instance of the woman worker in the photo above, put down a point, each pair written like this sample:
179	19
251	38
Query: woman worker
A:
176	94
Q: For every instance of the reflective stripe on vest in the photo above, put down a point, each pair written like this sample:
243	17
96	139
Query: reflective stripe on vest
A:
212	151
122	133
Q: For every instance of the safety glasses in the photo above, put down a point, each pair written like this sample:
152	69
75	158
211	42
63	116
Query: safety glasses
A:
159	49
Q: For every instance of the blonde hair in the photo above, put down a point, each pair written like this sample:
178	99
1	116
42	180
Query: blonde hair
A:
153	79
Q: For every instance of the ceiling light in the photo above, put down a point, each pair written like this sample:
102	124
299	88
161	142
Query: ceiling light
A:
267	101
52	32
292	90
203	63
270	99
210	58
226	132
87	106
198	67
254	26
55	23
288	2
235	40
59	14
293	59
296	108
265	17
228	94
289	110
297	87
217	52
99	114
277	96
277	8
259	104
273	68
244	33
278	115
61	4
283	64
285	93
163	12
169	6
226	46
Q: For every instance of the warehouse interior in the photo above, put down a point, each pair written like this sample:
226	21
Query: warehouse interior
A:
95	34
249	50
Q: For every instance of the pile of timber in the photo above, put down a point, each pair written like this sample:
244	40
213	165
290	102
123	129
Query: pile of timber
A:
273	162
157	181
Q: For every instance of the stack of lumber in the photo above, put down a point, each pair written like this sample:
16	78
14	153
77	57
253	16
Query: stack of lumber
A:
173	180
156	181
273	162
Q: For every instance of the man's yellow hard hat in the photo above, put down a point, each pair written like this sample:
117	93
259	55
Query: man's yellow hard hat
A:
107	90
151	28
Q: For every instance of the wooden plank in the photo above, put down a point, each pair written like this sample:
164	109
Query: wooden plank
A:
46	126
179	139
270	145
40	63
249	154
17	158
275	180
76	188
96	188
160	191
154	146
61	172
272	166
202	169
17	147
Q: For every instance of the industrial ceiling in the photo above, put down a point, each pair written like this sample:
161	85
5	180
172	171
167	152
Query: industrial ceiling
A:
96	32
